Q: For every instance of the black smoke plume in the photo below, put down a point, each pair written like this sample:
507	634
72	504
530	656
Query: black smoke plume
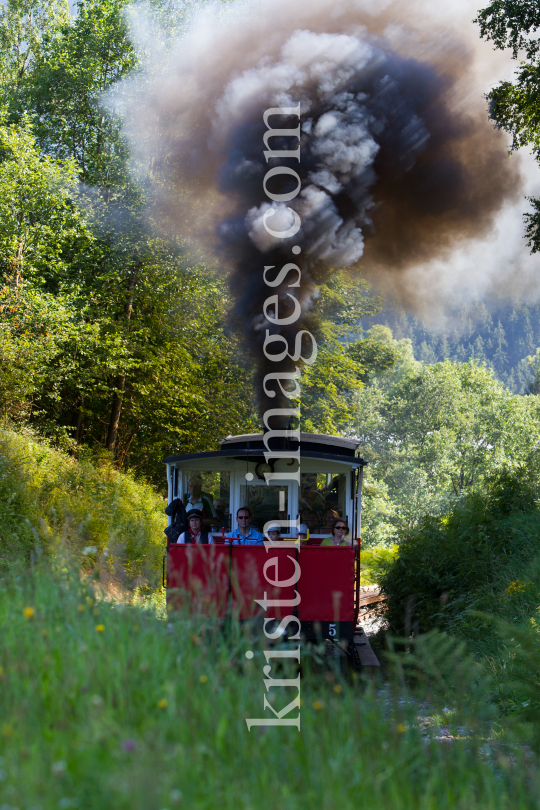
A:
398	164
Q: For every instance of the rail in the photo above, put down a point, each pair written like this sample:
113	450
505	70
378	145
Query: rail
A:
369	596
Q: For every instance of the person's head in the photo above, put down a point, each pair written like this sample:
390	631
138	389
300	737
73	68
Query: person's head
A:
195	487
220	506
302	532
274	532
311	496
312	519
340	528
243	517
330	518
195	520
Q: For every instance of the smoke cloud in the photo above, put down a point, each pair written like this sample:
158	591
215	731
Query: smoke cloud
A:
399	162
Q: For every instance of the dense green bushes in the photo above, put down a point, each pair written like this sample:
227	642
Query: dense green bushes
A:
47	499
483	556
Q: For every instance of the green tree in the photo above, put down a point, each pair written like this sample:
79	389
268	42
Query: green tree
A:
514	105
42	233
344	362
41	229
24	27
437	432
167	358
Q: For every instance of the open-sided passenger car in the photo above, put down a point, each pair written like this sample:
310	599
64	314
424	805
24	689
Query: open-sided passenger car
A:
318	585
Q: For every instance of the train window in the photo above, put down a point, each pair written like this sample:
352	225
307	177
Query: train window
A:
266	503
323	498
213	489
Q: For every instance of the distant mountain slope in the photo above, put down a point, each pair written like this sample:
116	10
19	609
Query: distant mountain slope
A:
503	336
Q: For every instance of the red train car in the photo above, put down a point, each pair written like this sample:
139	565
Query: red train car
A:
317	585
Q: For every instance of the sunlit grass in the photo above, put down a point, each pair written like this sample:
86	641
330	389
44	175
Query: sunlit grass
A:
49	500
104	705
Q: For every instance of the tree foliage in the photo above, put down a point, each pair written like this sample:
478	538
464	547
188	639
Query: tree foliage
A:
514	105
113	338
503	335
433	433
483	555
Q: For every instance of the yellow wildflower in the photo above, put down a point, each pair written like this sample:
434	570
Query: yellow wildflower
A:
318	705
401	728
162	703
203	679
29	612
80	608
515	588
100	628
338	689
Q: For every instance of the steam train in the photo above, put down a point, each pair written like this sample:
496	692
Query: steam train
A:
317	585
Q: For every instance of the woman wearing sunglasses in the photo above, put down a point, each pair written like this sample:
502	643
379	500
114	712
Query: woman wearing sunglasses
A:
339	532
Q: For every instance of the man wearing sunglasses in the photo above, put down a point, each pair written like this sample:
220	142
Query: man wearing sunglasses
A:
245	535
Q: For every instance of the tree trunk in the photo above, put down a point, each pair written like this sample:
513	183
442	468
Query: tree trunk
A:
78	424
116	408
120	381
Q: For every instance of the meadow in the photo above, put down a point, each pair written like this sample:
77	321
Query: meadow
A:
108	701
105	705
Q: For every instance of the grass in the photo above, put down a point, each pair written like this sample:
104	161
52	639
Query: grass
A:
49	499
103	705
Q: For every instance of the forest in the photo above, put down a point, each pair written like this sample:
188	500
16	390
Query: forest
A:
119	346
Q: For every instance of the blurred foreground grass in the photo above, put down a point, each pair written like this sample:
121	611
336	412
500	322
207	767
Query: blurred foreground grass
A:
103	705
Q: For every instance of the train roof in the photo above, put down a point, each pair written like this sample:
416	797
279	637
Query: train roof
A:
312	445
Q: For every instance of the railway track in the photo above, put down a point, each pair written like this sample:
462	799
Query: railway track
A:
370	596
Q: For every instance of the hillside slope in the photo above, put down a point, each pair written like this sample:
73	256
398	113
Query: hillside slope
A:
49	500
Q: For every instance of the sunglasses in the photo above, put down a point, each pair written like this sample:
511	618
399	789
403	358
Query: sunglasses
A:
340	527
243	517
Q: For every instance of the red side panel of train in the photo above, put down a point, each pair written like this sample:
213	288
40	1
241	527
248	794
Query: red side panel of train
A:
220	579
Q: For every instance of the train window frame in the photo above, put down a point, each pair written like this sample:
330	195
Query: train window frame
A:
259	520
216	521
322	507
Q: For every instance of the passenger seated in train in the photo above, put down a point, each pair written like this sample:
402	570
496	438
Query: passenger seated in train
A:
195	498
175	510
221	513
245	534
329	518
311	519
311	498
274	532
340	530
302	532
196	533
